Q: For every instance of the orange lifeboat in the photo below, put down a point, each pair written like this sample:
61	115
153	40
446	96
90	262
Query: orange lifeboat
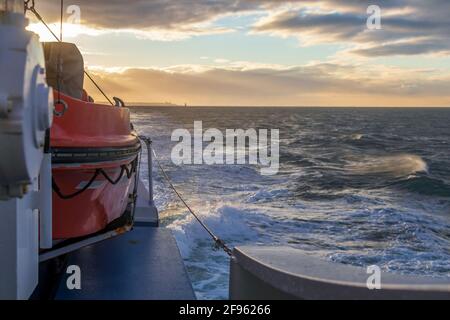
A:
94	153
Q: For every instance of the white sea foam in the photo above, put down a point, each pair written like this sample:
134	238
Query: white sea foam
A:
267	195
226	221
397	165
356	136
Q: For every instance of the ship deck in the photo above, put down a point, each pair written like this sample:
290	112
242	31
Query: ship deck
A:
143	264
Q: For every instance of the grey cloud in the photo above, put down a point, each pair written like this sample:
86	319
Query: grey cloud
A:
425	26
142	14
341	26
414	48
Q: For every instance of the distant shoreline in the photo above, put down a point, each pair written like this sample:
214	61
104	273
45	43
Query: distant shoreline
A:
298	107
172	105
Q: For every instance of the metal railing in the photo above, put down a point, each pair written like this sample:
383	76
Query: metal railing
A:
148	142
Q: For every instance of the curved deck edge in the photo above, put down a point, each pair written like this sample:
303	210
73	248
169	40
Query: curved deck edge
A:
287	273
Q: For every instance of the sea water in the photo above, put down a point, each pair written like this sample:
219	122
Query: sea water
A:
356	186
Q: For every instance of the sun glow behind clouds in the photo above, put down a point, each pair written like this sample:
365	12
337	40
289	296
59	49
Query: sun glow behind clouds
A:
71	31
309	52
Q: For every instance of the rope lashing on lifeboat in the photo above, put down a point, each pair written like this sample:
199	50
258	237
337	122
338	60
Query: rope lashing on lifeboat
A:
219	243
98	172
30	6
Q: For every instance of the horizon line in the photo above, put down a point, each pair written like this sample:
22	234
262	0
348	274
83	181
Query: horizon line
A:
166	105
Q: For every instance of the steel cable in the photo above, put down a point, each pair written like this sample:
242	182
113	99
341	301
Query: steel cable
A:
220	244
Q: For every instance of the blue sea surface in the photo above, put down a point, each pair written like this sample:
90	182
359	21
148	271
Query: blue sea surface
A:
358	186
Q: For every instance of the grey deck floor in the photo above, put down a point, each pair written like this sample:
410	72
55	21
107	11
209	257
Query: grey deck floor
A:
144	264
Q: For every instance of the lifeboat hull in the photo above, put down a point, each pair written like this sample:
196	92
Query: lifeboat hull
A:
95	155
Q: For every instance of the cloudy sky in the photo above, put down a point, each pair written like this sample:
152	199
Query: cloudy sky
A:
263	52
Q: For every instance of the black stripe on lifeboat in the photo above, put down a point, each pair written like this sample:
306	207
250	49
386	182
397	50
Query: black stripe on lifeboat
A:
92	155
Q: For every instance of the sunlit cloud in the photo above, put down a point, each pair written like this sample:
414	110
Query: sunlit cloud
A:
410	27
162	20
349	74
315	84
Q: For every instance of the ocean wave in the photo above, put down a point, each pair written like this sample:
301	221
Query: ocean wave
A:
352	188
426	186
226	221
401	165
353	137
268	195
208	267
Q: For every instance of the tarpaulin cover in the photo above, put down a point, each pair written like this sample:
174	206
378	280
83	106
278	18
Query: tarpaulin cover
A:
71	77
